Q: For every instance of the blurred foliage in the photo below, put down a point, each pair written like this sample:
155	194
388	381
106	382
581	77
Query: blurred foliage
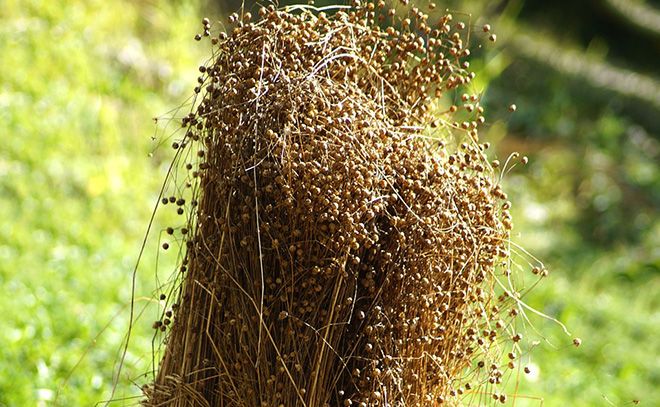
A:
588	202
80	81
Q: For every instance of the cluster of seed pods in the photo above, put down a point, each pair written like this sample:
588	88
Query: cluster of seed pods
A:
345	237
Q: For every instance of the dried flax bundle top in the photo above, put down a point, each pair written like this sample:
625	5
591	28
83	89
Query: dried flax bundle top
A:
336	253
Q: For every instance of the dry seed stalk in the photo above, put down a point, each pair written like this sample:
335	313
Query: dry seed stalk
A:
336	254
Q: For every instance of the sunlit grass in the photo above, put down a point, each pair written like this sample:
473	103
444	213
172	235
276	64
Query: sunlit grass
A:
79	85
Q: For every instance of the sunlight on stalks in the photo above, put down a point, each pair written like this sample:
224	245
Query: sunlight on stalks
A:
343	242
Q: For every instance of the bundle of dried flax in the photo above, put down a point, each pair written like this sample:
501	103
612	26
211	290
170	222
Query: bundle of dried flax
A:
343	248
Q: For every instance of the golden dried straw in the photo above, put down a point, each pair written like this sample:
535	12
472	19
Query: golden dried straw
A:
337	252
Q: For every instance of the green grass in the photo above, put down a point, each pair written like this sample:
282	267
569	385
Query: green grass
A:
607	296
79	84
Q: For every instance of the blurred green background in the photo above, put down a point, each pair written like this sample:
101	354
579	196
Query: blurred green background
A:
82	162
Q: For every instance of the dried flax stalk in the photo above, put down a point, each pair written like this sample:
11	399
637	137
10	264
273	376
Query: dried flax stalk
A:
337	253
